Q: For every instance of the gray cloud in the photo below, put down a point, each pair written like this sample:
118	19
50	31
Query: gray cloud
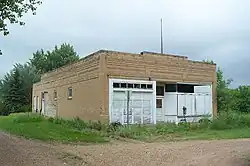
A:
208	29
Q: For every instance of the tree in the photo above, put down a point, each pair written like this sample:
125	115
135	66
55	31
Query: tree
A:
11	11
16	86
29	76
223	92
14	99
50	60
241	99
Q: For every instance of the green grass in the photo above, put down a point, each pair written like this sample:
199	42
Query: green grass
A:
227	126
33	126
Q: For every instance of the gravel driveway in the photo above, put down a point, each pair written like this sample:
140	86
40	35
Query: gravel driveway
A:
20	152
189	153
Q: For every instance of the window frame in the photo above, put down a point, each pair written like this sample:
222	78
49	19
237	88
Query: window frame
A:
70	96
159	104
55	95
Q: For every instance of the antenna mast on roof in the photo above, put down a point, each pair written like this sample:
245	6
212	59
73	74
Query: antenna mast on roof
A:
161	39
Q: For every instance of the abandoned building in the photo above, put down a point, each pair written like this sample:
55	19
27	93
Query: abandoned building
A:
129	88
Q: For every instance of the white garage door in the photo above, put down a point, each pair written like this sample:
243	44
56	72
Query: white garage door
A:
204	104
198	103
137	110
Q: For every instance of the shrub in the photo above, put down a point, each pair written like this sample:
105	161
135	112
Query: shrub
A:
218	124
113	126
228	120
3	109
163	128
125	132
95	125
27	117
204	123
25	108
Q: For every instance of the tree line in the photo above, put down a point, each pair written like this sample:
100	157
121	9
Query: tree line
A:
16	85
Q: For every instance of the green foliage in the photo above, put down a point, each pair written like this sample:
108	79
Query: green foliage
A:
14	98
16	86
13	10
37	127
241	98
26	108
227	125
50	60
223	92
3	109
29	117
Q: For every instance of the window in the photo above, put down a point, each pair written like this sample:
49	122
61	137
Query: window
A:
133	85
42	95
158	103
170	87
55	95
137	86
143	86
160	90
130	85
149	86
123	85
185	88
70	93
116	85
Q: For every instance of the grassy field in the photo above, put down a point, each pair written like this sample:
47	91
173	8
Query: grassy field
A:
226	126
33	126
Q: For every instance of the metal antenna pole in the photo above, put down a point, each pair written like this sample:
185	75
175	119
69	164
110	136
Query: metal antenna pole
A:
161	39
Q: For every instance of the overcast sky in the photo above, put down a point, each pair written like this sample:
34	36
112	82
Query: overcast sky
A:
200	29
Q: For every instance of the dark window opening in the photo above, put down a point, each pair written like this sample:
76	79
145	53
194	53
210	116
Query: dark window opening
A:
123	85
70	92
137	86
149	86
130	85
158	103
170	87
116	85
185	88
160	90
55	94
143	86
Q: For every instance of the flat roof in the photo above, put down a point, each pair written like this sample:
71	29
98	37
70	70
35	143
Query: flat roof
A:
110	51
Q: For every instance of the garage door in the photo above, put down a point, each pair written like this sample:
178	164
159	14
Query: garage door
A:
203	100
135	108
198	103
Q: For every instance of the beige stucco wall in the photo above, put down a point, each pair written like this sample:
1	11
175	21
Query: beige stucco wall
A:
84	78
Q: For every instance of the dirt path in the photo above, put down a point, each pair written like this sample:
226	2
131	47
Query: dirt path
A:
16	151
190	153
20	152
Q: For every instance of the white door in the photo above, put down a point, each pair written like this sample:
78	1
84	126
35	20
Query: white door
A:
186	100
141	106
139	110
34	104
160	114
118	106
203	102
